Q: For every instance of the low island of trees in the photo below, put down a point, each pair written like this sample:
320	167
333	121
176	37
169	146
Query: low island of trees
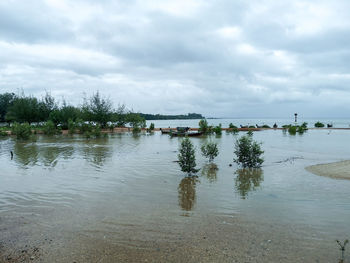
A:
189	116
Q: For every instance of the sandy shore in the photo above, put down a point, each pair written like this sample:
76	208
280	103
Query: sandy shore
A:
340	170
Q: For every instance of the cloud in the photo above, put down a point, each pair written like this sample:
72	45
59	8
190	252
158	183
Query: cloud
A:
223	58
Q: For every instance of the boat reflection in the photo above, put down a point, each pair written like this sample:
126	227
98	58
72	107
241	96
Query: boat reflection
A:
248	180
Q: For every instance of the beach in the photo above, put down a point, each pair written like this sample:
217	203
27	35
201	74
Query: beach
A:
340	170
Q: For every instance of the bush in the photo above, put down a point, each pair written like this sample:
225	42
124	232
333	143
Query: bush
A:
187	158
248	152
151	127
49	128
3	133
203	126
71	126
96	131
22	131
319	125
297	129
265	126
292	130
210	150
232	128
217	129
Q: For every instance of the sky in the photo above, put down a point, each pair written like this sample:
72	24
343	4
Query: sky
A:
223	58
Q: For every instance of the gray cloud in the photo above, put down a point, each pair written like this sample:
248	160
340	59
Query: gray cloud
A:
222	58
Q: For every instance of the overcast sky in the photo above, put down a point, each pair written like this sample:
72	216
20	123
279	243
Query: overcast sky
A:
223	58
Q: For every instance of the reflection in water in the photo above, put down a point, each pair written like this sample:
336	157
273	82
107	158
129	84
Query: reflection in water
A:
26	153
209	171
248	180
30	154
97	154
187	192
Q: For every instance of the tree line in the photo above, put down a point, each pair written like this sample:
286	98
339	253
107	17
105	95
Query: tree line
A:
189	116
97	108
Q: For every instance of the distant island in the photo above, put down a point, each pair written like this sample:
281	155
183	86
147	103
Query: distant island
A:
189	116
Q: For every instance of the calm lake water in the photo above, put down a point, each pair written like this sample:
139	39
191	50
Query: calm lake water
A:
99	186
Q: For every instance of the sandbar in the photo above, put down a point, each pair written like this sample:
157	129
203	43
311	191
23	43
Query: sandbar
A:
339	170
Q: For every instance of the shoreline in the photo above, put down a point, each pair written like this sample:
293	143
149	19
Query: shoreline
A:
336	170
129	129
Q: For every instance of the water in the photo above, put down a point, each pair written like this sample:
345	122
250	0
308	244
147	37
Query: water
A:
123	182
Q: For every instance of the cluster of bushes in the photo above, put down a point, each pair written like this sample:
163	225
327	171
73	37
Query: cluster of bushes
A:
248	153
319	125
294	129
206	129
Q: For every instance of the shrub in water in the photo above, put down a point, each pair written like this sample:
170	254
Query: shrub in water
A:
96	131
210	150
232	128
292	130
217	129
203	126
22	131
71	126
248	152
151	127
49	128
187	157
319	125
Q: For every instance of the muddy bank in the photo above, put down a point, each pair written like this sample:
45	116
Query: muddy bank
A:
340	170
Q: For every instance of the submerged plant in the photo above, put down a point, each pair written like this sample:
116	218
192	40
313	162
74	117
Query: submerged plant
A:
319	125
217	129
210	150
248	152
187	157
21	130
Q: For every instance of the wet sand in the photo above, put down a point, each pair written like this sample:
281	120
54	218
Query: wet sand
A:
211	238
340	170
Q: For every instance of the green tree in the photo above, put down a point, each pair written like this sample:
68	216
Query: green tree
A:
248	152
187	157
203	126
120	116
210	150
6	100
98	109
24	109
46	106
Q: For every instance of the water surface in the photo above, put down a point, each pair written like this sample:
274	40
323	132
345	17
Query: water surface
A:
103	187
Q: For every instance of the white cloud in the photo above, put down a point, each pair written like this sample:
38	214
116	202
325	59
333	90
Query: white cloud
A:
181	56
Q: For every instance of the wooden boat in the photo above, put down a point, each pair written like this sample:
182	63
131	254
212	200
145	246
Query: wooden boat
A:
167	131
189	134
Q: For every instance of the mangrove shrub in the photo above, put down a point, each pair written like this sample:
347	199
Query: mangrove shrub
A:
187	157
21	130
319	125
248	152
210	150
